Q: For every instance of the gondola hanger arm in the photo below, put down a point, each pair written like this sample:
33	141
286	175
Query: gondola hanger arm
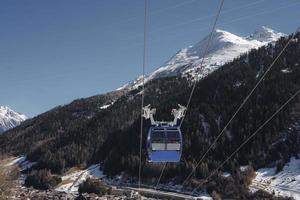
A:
178	114
148	113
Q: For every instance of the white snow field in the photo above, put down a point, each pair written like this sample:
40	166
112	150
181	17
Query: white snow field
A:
224	47
285	183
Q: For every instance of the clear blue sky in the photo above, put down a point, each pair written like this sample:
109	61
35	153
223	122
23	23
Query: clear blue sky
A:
54	51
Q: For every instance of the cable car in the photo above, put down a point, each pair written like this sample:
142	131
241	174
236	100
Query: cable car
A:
164	144
164	140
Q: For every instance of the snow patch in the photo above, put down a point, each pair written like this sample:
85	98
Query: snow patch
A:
106	106
286	70
16	161
244	168
71	182
21	162
285	183
204	197
226	174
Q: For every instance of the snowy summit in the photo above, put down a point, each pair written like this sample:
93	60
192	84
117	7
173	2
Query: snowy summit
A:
9	118
224	47
265	34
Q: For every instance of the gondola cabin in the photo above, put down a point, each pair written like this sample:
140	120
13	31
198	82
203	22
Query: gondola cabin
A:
164	143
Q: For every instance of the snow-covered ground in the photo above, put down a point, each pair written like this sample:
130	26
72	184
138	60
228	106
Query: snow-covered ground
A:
205	197
284	183
224	47
21	162
71	181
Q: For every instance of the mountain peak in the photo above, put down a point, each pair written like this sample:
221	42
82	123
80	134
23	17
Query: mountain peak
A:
220	39
224	47
265	34
221	35
9	118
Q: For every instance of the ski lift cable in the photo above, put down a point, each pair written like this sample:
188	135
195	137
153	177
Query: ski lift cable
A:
249	138
206	51
160	176
205	17
241	106
143	87
204	55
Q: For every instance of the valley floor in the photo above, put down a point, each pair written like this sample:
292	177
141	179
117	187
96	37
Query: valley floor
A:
68	189
285	183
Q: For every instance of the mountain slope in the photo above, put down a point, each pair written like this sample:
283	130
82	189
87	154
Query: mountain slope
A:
84	132
224	47
88	132
9	118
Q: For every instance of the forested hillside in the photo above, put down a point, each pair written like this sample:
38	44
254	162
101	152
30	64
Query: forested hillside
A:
82	133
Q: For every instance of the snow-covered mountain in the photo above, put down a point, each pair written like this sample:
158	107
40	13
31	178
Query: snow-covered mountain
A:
9	118
224	47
